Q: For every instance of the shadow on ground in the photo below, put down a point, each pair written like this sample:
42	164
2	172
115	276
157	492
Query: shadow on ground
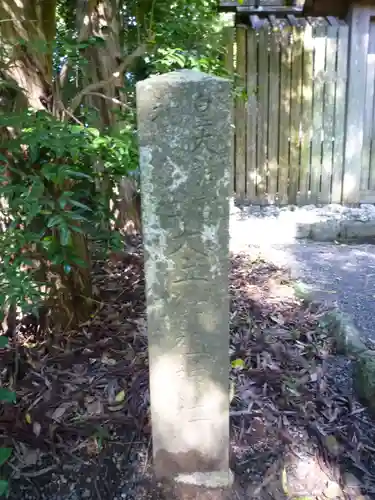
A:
81	426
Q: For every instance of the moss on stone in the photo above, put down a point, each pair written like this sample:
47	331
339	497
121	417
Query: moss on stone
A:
364	378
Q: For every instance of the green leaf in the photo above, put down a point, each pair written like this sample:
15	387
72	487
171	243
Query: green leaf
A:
77	229
63	202
37	189
77	129
94	131
57	260
65	236
77	175
5	454
4	487
3	341
238	363
79	262
55	220
80	205
7	396
99	141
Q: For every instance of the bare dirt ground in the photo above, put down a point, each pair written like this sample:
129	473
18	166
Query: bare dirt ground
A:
81	425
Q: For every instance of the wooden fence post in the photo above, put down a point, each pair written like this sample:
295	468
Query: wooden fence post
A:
340	107
252	110
228	40
359	22
240	113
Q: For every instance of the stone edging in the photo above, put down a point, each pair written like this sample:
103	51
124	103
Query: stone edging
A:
349	343
285	224
344	230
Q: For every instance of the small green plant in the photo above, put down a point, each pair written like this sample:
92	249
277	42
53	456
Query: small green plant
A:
100	435
5	454
6	396
51	204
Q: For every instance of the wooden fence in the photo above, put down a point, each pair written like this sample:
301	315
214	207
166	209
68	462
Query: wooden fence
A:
291	135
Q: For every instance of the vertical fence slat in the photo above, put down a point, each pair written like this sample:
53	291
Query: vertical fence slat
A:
273	116
307	96
372	154
372	159
328	116
252	63
371	181
262	113
358	51
340	105
367	126
367	156
295	112
240	114
286	57
228	35
319	35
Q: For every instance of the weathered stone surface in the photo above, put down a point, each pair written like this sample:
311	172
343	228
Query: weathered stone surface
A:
191	492
198	486
347	337
354	229
184	137
327	230
364	378
303	230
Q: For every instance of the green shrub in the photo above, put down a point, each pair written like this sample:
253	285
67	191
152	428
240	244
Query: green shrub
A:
49	178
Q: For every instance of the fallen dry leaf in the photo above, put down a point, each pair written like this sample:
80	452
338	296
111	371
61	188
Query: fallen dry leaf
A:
36	428
106	360
60	411
93	406
114	408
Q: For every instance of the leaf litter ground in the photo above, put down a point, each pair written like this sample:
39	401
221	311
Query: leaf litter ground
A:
81	426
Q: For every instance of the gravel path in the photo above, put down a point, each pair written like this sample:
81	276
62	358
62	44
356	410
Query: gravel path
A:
339	273
344	274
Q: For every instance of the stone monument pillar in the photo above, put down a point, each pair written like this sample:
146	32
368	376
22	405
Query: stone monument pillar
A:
184	121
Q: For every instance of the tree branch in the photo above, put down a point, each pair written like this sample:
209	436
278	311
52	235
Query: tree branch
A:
83	34
112	99
93	87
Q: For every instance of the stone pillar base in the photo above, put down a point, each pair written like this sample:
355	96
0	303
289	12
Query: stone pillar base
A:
191	492
201	486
